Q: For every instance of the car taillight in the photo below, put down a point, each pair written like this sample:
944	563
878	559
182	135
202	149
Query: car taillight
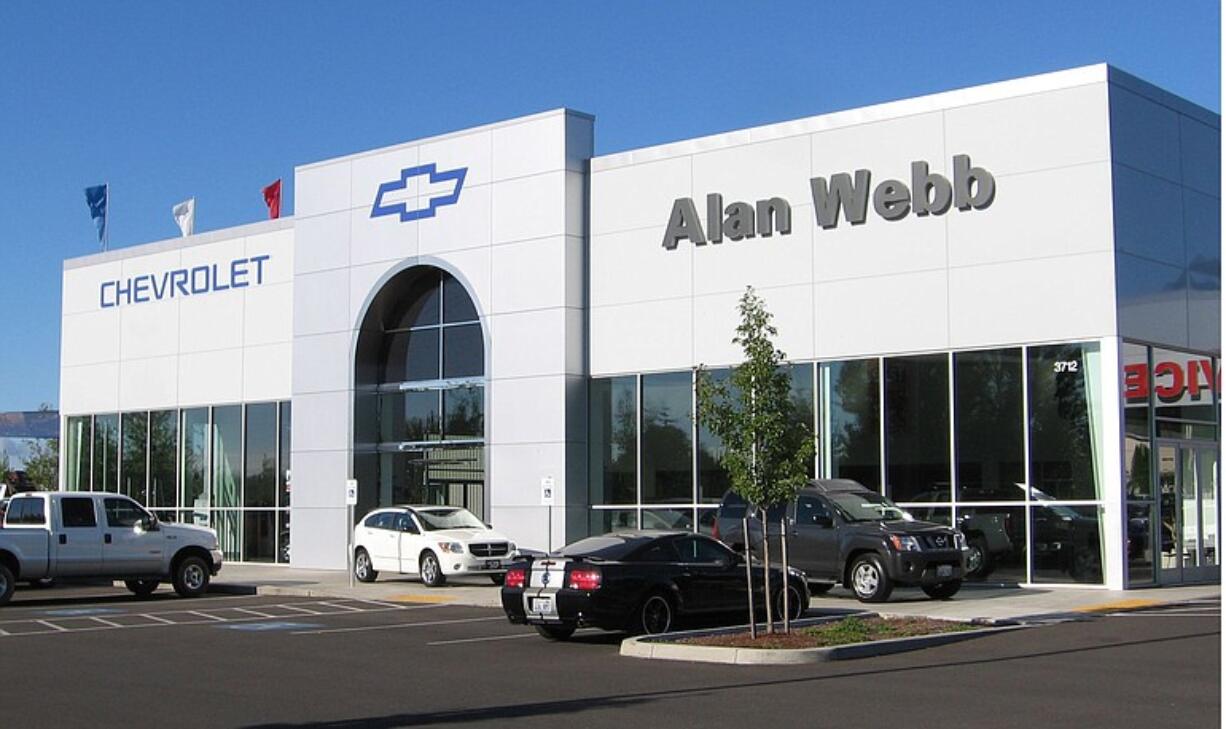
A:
584	578
515	577
715	529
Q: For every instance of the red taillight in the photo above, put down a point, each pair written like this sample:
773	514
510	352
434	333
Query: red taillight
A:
715	529
515	577
584	578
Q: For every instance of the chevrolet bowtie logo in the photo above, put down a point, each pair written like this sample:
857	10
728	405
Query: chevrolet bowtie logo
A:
455	176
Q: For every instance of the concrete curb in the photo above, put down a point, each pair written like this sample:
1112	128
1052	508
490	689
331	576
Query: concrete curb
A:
667	649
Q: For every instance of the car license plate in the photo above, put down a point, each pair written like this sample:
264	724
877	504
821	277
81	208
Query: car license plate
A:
945	570
493	564
541	605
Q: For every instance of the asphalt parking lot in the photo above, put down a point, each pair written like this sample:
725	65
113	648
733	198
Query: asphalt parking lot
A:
93	656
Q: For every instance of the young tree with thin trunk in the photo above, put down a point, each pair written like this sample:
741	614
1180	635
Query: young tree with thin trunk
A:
767	449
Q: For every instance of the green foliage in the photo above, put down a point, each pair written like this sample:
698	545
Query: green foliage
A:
43	465
767	449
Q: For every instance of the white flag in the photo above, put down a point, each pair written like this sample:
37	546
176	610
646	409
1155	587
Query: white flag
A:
185	215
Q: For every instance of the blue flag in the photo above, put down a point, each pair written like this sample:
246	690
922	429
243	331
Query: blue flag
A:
96	198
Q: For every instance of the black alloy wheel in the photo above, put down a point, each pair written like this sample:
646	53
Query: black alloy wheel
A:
6	584
797	605
655	615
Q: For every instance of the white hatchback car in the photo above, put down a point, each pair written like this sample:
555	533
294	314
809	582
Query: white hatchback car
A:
431	541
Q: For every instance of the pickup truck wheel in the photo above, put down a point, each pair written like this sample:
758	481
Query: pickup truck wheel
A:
431	571
191	577
869	579
363	568
556	632
978	558
141	588
943	590
6	584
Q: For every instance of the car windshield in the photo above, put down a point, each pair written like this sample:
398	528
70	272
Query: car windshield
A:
435	519
867	506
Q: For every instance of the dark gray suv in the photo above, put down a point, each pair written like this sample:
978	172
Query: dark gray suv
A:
842	533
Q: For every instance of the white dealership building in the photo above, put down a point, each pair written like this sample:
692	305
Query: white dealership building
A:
1001	305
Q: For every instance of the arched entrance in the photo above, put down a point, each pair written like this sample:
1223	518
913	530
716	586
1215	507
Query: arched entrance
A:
419	401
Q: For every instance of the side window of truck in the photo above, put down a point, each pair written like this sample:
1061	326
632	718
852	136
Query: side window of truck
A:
121	513
78	513
811	511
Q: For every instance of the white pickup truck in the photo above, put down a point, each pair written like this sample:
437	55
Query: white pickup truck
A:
69	534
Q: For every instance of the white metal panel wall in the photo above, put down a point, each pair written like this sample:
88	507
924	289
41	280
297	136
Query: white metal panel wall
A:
223	346
1036	265
515	238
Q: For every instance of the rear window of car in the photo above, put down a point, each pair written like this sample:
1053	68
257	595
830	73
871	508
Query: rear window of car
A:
608	546
26	511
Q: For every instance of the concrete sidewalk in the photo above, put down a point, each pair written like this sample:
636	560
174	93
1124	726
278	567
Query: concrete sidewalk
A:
974	601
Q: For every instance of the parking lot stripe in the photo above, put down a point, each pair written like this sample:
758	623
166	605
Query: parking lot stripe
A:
295	608
104	621
338	606
157	619
482	639
256	613
205	615
50	624
364	628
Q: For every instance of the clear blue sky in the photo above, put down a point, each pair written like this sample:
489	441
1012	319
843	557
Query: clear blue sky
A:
171	100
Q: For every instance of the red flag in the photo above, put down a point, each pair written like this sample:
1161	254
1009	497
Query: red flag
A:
272	198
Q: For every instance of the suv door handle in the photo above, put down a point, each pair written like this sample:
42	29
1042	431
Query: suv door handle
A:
63	539
107	538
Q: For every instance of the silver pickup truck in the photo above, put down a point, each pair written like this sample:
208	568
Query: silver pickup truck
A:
49	535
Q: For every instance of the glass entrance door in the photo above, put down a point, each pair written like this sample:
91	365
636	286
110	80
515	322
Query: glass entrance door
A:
1189	518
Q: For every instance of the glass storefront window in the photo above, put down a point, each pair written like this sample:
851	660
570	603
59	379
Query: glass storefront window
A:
670	519
803	403
917	428
613	440
1183	385
1065	422
283	446
410	416
604	521
132	469
1140	543
259	536
996	542
712	476
667	474
260	469
195	462
228	523
989	440
851	402
227	452
457	306
106	453
412	356
163	448
77	452
463	351
463	413
1067	544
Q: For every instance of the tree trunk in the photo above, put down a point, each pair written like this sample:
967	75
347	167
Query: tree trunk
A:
783	546
766	575
753	621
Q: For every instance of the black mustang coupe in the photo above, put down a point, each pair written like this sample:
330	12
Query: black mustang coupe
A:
641	582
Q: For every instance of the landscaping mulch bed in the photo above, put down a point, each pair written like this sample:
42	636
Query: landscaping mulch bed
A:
841	632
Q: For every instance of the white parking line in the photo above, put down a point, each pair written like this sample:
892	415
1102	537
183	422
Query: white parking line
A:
49	624
364	628
155	618
256	613
295	608
503	637
104	621
205	615
342	607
